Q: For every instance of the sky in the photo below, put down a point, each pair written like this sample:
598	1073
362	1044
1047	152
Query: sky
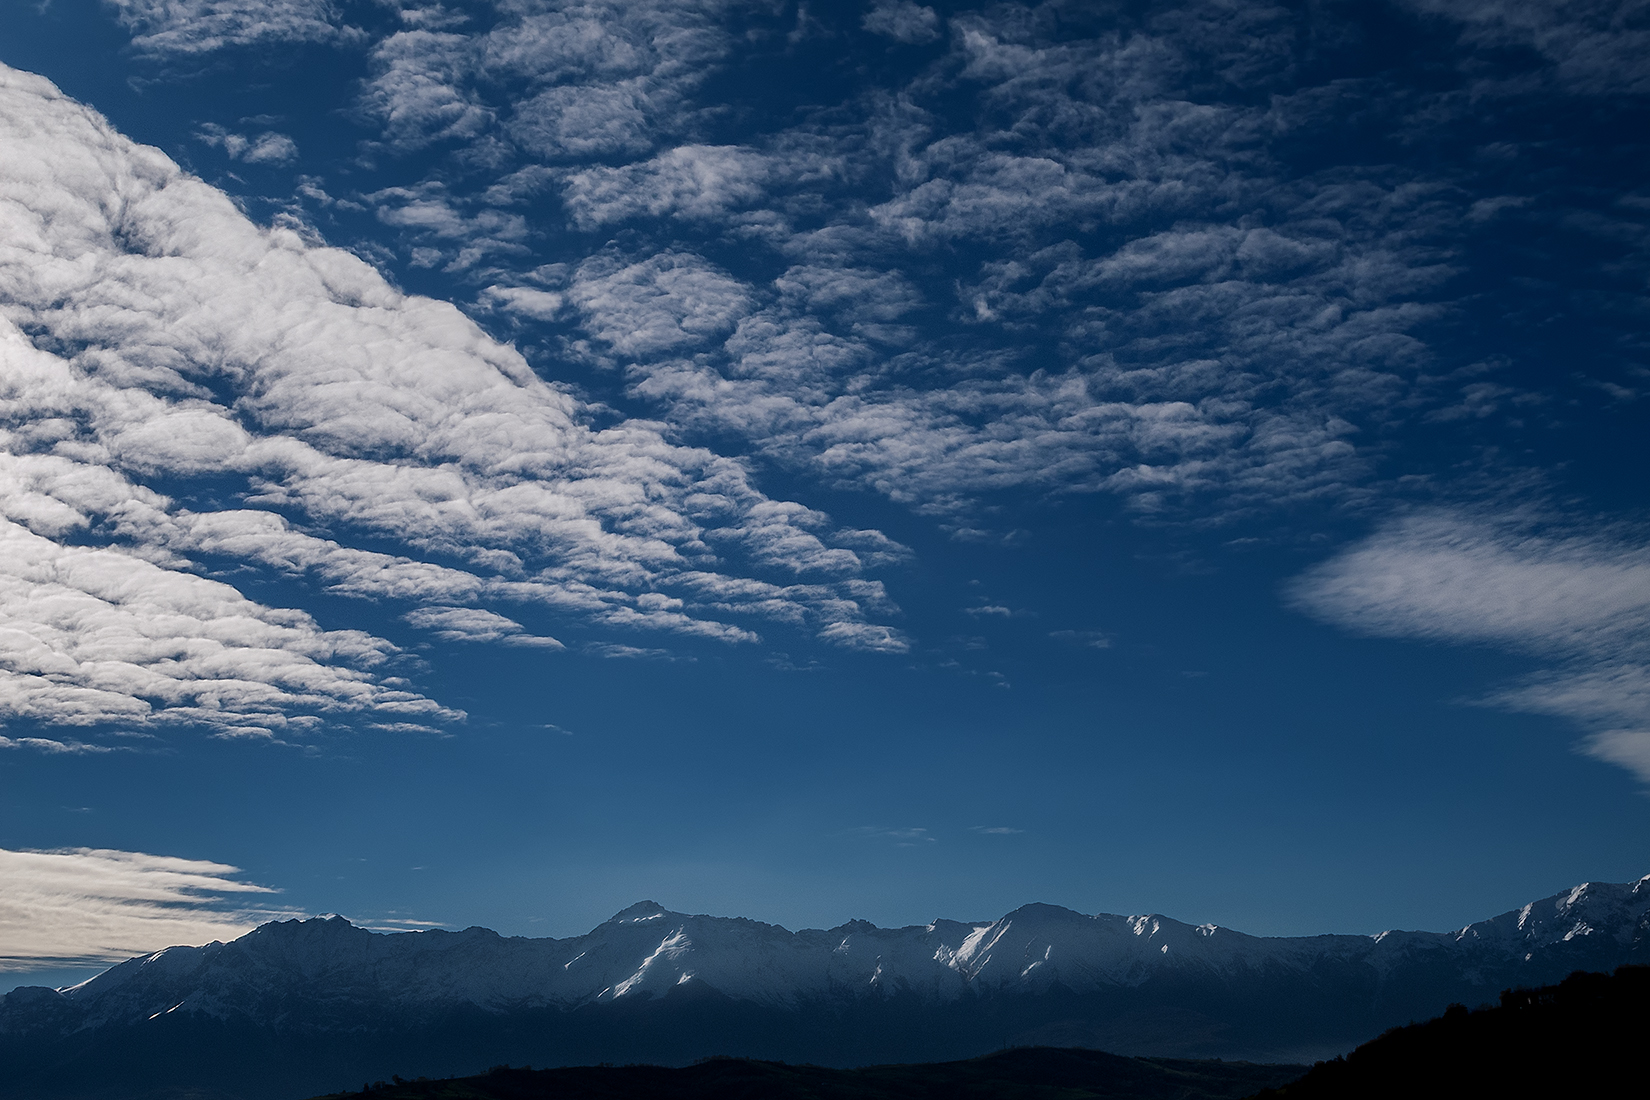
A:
495	462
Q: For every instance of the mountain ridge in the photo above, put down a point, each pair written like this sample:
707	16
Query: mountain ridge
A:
939	959
653	985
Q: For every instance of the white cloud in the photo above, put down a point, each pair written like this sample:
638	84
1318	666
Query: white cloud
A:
1461	579
866	636
1579	601
903	20
463	232
1160	309
1597	47
82	906
600	78
540	305
689	181
183	27
856	293
93	636
665	303
612	649
1237	366
600	40
1093	639
473	624
264	148
190	344
1125	333
417	93
903	838
585	120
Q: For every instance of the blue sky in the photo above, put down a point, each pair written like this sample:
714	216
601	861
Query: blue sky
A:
490	463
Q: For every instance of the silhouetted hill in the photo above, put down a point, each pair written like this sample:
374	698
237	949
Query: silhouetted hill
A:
1027	1073
1582	1037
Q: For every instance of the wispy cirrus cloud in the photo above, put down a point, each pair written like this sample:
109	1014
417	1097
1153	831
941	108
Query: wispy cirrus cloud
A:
899	837
85	906
1577	599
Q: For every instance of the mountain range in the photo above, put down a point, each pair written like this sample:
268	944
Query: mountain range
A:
307	1006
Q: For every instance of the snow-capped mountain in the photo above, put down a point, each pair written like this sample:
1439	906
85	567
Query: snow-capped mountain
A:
655	984
647	951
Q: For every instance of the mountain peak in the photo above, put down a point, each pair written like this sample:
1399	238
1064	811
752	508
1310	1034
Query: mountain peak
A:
1044	911
641	911
330	924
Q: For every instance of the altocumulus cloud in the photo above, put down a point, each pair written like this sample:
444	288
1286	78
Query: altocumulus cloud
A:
1579	600
184	390
85	906
1063	251
170	28
1073	250
1118	331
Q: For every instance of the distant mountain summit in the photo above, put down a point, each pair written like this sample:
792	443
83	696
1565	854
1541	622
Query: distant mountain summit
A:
320	1003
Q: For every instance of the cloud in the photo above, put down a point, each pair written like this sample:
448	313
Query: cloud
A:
1083	254
576	81
193	27
1460	578
1578	600
85	906
901	838
1093	639
689	181
96	636
854	293
586	120
307	419
416	93
265	148
53	747
1120	333
611	649
1077	256
1100	277
1596	47
903	21
667	302
463	233
540	305
472	624
866	636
